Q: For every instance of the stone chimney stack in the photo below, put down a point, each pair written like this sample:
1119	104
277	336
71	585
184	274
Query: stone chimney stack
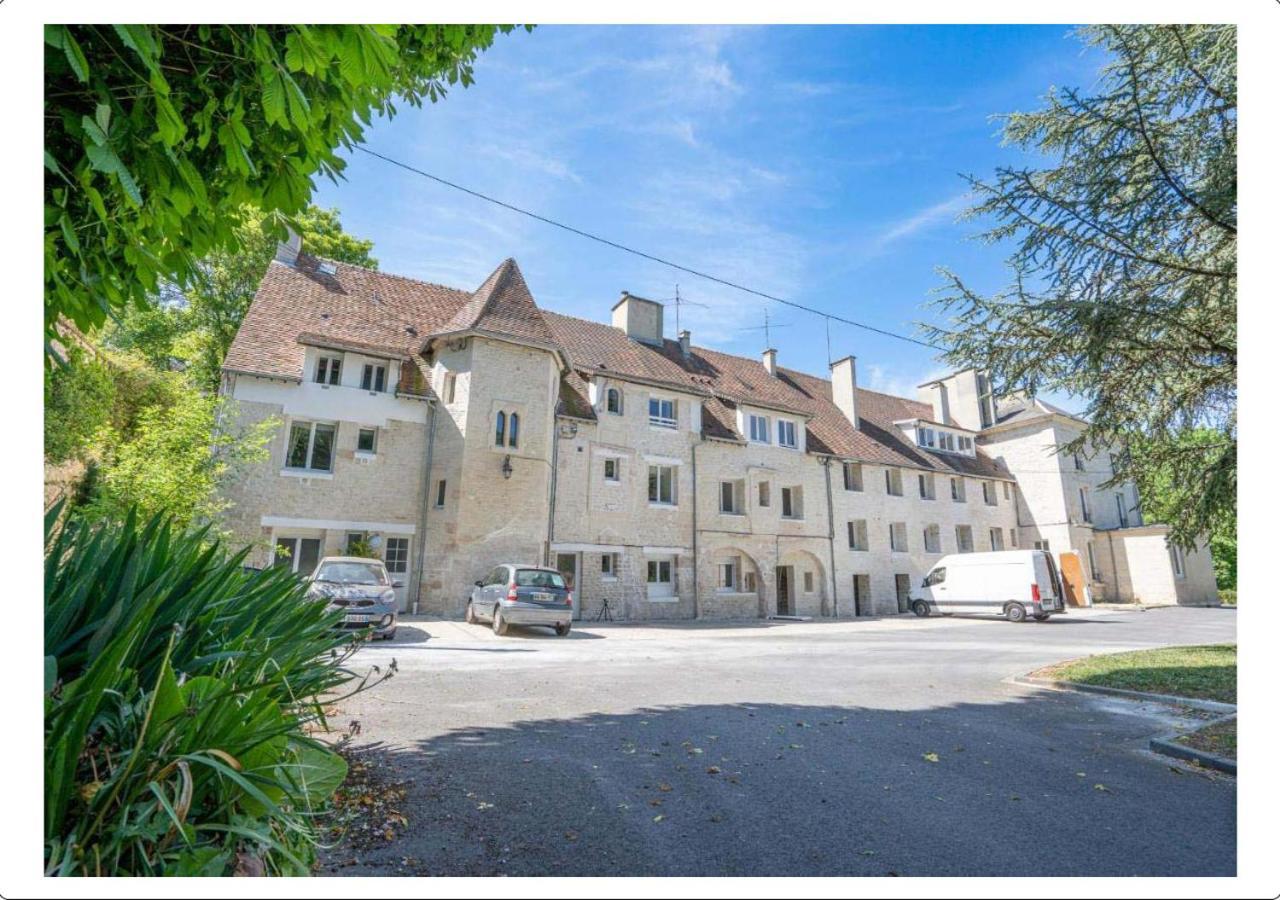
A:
287	250
684	343
844	387
771	361
641	319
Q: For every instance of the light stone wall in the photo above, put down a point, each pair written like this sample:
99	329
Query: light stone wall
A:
1144	571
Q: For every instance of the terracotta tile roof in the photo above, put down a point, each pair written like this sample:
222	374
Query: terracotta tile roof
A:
356	307
502	306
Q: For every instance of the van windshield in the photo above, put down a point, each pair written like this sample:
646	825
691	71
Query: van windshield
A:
539	578
937	576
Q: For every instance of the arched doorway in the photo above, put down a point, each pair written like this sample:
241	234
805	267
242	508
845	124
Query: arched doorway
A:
800	585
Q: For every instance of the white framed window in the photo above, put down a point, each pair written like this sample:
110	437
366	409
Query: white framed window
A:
749	582
732	497
374	378
964	538
898	537
367	440
762	493
1086	512
1079	461
609	566
787	433
852	476
662	412
506	429
808	582
1006	490
727	575
957	489
441	493
660	579
353	538
997	539
662	485
989	493
928	491
450	387
328	369
1176	558
613	401
396	555
966	445
758	428
947	441
612	469
925	437
793	502
1042	545
310	446
932	539
858	535
299	554
893	482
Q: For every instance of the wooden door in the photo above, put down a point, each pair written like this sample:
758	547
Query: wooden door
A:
1074	584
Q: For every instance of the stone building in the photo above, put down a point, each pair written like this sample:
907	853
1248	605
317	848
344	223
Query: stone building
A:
454	430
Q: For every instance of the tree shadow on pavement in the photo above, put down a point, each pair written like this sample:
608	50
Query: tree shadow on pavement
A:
1039	784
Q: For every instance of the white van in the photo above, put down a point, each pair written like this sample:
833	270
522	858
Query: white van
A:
1011	583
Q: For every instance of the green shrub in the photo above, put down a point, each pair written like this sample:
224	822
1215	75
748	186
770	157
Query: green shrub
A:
179	689
1227	596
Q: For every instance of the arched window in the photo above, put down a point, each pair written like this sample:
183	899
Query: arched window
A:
513	436
613	401
500	433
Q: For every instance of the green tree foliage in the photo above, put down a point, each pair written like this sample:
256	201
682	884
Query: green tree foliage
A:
79	399
194	326
179	691
1124	265
158	137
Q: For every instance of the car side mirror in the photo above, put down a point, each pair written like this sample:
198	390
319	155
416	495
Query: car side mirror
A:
397	584
479	584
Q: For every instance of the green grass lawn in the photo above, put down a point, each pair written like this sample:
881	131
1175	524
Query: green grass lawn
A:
1219	739
1206	672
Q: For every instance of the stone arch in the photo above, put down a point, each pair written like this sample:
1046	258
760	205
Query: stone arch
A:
732	584
800	584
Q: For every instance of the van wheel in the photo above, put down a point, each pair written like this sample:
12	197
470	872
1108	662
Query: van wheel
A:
920	608
499	623
471	614
1041	617
1016	612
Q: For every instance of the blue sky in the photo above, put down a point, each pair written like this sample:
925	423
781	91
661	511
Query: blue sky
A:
820	164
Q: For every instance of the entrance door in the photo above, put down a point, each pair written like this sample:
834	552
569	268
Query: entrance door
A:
862	595
395	554
903	585
1074	584
785	605
567	566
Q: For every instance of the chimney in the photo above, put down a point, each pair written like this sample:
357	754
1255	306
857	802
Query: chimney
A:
844	387
287	250
935	394
641	319
771	361
684	344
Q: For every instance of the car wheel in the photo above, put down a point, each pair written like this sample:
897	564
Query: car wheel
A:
562	630
390	635
920	608
1041	617
499	623
470	614
1016	612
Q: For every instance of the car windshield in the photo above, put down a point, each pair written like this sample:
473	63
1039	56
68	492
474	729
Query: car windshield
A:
538	578
352	573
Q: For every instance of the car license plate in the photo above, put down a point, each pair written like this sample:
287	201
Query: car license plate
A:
544	598
361	617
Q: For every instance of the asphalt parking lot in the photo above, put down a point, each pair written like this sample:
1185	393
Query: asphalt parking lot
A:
893	746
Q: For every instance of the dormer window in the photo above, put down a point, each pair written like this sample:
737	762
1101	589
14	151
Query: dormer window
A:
613	401
328	369
758	428
925	437
374	378
786	433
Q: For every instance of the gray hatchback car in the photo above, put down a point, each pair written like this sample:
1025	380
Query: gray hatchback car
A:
513	594
360	588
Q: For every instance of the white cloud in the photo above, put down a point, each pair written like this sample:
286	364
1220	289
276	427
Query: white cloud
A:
923	220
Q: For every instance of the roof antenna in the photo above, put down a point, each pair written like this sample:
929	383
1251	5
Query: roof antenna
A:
679	302
767	328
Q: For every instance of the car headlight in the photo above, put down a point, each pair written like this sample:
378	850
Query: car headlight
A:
389	596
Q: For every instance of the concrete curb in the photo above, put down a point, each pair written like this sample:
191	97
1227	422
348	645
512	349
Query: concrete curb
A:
1222	709
1167	744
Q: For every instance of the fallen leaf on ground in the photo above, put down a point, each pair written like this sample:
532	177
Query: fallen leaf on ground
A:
931	757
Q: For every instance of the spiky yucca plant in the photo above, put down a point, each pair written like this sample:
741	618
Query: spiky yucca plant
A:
179	688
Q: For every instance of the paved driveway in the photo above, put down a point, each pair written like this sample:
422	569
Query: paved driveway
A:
890	746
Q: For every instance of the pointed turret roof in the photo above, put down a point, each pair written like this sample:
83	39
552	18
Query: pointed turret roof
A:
502	306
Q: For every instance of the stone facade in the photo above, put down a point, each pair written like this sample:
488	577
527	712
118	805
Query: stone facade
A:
673	482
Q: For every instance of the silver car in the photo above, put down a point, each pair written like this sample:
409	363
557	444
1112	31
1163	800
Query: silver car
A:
359	587
513	594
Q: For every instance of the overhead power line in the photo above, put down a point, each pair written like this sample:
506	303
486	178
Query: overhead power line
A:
830	317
